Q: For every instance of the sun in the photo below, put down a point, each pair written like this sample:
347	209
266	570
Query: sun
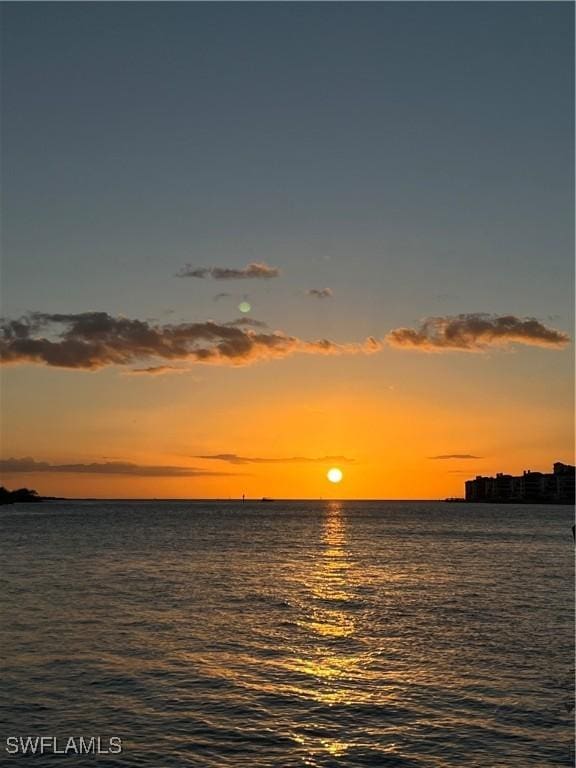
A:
334	475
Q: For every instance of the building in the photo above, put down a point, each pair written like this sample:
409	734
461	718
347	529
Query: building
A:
553	488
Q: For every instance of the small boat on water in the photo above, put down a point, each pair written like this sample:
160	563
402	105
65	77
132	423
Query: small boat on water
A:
266	499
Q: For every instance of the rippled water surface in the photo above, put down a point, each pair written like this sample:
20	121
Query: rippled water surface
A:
290	633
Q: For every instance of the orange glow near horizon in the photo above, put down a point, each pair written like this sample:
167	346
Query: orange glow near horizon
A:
282	446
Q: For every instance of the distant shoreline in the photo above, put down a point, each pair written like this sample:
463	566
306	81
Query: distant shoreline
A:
24	496
256	500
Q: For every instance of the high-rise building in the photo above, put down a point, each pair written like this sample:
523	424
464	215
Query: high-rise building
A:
553	488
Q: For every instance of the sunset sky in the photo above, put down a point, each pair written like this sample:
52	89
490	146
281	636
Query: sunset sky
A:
245	243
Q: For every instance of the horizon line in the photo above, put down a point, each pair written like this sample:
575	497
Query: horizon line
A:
227	498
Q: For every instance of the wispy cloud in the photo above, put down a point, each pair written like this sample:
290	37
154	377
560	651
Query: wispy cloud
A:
455	456
320	293
253	271
234	458
28	465
476	333
246	321
156	370
92	340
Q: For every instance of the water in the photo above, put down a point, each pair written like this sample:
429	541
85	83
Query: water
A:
289	634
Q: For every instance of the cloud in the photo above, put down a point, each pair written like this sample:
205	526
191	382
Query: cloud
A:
248	321
28	465
92	340
320	293
189	271
456	456
234	458
157	370
475	333
252	271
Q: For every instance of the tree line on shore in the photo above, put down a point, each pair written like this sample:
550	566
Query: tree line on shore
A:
21	494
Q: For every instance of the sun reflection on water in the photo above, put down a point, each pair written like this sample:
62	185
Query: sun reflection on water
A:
330	661
329	583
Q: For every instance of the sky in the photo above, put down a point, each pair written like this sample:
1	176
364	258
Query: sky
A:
245	242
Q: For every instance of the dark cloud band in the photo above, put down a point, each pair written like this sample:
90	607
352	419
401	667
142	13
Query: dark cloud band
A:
28	465
455	456
234	458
